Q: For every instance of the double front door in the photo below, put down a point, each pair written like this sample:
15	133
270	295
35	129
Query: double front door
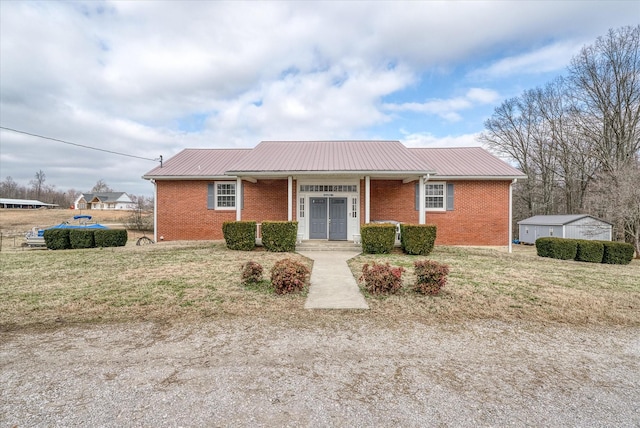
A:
328	215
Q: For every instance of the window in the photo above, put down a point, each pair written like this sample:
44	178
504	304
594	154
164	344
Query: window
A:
301	211
354	207
351	188
434	194
438	196
221	195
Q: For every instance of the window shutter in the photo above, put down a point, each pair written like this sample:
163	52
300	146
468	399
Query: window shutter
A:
211	195
417	201
449	196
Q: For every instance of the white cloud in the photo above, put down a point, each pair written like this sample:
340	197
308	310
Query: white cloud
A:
426	139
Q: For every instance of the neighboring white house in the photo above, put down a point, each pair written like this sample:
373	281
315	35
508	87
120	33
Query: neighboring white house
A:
104	201
574	226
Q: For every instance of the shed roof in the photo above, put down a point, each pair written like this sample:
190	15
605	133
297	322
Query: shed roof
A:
10	201
556	220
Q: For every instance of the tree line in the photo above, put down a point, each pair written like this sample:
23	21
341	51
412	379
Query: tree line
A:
40	190
578	137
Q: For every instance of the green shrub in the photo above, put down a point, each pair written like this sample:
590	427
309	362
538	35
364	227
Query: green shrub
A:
239	235
57	239
557	248
431	276
378	238
82	238
110	237
417	239
289	276
589	251
619	253
280	236
381	279
251	273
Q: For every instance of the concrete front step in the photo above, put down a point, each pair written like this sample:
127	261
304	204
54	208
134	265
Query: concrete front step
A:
328	246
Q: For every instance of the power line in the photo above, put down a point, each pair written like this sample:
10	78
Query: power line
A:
80	145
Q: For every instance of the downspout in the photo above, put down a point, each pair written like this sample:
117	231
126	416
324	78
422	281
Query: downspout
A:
155	210
511	214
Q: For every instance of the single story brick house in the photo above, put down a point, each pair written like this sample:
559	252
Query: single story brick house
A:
333	187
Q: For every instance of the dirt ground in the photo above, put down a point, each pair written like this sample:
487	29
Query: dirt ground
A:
251	372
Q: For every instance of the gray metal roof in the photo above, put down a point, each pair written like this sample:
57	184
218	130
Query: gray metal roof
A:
376	157
103	196
556	220
9	201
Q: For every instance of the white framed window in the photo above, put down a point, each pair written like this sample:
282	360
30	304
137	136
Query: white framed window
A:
301	211
435	196
354	207
221	195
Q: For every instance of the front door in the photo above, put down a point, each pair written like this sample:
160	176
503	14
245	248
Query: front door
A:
338	219
318	219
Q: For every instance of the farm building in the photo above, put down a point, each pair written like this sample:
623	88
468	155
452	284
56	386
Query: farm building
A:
331	188
24	203
574	226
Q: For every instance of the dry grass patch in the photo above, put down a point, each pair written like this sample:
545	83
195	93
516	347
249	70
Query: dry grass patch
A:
485	283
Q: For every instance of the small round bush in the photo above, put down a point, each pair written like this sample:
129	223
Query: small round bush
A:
431	276
251	273
381	279
289	276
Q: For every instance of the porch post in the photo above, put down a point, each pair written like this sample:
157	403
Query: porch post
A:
155	210
421	199
367	199
289	198
238	199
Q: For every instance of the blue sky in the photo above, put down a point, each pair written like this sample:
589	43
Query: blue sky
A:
152	78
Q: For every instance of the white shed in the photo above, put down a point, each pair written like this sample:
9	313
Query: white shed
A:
574	226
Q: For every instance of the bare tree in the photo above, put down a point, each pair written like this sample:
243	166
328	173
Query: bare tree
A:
37	184
9	188
101	186
606	92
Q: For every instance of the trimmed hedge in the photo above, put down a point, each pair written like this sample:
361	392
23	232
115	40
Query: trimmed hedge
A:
57	239
417	239
619	253
82	238
557	248
239	235
589	251
110	237
378	238
279	236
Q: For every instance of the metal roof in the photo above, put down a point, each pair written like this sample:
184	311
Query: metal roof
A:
9	201
330	156
556	220
270	158
191	163
465	162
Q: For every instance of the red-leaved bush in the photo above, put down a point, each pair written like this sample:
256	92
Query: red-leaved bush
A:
431	276
289	276
251	273
381	279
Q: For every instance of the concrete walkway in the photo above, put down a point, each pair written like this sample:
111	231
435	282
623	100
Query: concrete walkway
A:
332	284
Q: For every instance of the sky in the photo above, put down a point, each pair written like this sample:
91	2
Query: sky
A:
147	78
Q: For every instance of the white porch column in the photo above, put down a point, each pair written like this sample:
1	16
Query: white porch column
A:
422	218
238	199
290	198
367	199
511	214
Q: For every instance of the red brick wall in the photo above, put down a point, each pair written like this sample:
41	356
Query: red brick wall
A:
183	212
480	215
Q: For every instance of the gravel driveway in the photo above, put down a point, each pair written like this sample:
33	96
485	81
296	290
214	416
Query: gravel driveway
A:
248	372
